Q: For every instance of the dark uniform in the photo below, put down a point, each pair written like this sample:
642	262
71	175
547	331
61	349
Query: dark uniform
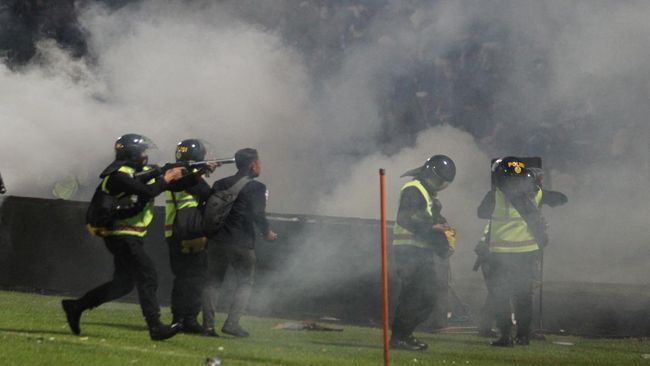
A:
234	246
188	258
421	256
514	245
515	235
133	267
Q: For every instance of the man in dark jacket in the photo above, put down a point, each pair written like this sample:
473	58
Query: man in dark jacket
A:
234	244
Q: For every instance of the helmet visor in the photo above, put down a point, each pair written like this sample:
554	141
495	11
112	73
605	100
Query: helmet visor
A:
209	149
147	143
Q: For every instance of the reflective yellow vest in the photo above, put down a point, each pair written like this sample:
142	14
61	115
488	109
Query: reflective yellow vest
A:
183	200
509	231
135	225
401	236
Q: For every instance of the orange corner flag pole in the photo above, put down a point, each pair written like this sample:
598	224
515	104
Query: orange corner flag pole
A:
384	262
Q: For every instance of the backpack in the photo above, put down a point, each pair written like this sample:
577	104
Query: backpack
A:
188	223
218	206
99	216
105	208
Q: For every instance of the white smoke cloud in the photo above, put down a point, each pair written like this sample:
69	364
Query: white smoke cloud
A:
173	70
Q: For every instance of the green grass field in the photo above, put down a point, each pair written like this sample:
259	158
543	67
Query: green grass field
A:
33	331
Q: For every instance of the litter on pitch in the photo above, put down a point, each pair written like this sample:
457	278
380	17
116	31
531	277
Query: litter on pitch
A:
213	361
307	325
564	343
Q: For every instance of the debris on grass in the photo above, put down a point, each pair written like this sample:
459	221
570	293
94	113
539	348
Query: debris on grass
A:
213	361
564	343
645	356
307	325
329	319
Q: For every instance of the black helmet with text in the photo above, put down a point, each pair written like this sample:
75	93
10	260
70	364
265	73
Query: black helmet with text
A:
191	150
132	149
512	175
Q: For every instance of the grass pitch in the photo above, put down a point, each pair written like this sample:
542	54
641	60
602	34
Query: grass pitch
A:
33	331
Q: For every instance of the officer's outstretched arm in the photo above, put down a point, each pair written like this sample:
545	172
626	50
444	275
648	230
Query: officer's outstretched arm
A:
122	182
553	198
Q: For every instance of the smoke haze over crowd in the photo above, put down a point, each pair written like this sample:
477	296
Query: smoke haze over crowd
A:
331	91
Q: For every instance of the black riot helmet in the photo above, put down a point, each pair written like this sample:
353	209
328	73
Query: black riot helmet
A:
511	174
191	150
132	148
438	171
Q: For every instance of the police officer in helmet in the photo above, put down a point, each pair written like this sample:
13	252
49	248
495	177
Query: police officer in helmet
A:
422	243
514	236
124	239
187	251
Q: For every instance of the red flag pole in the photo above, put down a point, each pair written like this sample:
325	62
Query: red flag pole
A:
384	262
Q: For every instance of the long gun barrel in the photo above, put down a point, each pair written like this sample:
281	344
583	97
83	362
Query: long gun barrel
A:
200	165
204	163
3	189
191	166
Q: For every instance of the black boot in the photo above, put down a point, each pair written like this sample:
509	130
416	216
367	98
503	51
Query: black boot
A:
504	341
160	332
409	343
73	314
234	329
190	325
209	332
522	340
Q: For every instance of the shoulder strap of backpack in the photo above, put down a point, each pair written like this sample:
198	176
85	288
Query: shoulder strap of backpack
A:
237	187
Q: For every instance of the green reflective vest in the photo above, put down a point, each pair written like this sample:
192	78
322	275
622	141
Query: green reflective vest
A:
509	231
135	225
401	236
175	201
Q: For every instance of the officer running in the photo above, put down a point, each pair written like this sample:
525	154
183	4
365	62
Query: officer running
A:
187	250
124	239
423	242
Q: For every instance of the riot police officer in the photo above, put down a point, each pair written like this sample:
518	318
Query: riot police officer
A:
516	232
124	238
187	246
422	243
513	240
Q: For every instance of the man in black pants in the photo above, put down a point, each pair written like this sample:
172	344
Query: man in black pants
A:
234	244
187	249
515	236
133	267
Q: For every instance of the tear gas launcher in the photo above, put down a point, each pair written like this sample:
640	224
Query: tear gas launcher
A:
194	167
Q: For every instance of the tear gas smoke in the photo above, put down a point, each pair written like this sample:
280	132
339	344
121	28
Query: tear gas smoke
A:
567	81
